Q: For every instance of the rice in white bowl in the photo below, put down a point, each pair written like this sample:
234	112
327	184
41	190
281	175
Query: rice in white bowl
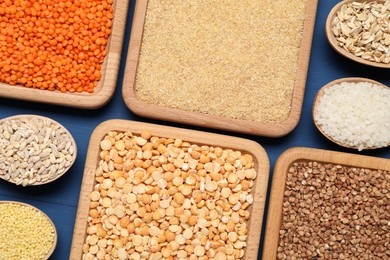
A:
356	114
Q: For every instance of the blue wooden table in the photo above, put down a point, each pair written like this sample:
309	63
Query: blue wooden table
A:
59	199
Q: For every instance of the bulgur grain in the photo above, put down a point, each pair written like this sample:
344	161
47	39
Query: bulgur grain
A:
221	57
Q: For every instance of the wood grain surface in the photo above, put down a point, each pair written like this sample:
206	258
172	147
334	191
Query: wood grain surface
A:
335	44
213	121
196	137
274	217
106	86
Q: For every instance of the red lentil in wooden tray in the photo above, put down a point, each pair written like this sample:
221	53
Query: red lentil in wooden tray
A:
153	191
231	65
328	205
61	52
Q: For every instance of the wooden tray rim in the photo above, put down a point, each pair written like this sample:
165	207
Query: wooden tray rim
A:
106	86
274	215
213	121
262	166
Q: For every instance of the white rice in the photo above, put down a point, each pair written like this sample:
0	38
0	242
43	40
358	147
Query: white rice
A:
356	114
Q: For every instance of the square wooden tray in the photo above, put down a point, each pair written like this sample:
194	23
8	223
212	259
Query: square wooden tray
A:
106	86
274	217
213	121
259	191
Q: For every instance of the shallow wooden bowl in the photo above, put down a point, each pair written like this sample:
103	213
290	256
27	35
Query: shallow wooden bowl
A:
335	44
279	179
321	92
196	137
106	86
52	248
61	126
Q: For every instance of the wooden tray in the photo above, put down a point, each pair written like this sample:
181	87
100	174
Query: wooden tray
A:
106	86
213	121
259	191
283	163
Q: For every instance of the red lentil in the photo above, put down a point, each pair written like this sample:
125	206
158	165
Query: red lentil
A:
54	44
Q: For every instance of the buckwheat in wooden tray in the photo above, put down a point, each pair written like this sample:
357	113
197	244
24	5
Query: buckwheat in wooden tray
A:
109	73
191	76
261	165
351	226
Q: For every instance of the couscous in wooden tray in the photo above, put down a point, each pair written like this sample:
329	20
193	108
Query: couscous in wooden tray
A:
62	53
169	192
231	65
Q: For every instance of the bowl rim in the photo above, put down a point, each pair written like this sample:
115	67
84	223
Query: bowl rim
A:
321	92
73	141
55	239
334	43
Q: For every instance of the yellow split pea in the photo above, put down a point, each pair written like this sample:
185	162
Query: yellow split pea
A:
166	198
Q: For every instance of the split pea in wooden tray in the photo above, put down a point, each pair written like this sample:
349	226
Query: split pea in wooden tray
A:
230	65
60	49
154	201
